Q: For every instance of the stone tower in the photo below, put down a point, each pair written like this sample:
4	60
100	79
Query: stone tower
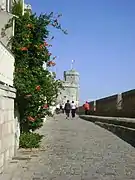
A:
71	87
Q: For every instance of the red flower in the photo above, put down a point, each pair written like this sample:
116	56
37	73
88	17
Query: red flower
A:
38	88
29	25
45	44
31	118
41	46
51	63
24	49
45	106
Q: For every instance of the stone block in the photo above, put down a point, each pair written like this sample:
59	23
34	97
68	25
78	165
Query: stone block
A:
5	116
7	126
10	104
2	116
11	151
3	128
0	131
12	127
7	142
1	160
1	92
4	144
6	156
2	104
10	115
0	145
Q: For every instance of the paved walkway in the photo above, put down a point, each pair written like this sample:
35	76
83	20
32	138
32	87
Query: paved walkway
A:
75	150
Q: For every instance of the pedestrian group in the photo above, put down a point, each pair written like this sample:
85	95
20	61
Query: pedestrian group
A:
71	108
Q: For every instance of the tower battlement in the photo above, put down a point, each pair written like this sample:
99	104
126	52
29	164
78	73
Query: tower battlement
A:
71	87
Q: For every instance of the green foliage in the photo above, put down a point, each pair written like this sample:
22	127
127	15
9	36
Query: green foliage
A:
17	8
36	87
30	140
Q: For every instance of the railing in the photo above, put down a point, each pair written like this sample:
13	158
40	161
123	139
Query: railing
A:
6	65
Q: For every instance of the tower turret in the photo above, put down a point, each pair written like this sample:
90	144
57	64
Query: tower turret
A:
71	86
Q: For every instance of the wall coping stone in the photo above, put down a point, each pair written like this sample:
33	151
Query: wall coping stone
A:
7	88
110	118
126	122
10	92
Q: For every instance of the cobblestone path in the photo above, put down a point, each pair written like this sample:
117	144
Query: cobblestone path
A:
74	150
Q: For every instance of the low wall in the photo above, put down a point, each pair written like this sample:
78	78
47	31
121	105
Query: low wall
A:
122	127
9	125
126	122
119	105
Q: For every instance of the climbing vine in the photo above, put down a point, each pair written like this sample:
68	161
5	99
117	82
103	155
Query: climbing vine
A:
36	87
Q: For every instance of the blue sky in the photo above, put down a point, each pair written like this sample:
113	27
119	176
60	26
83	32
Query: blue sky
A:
101	40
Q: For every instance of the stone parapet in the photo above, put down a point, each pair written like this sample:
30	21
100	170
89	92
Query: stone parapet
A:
122	127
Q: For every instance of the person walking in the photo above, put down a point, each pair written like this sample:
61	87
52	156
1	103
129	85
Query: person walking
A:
63	105
73	109
86	107
57	109
67	109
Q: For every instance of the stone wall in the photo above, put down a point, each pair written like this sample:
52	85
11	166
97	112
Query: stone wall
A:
119	105
128	100
122	127
9	126
106	104
5	35
9	117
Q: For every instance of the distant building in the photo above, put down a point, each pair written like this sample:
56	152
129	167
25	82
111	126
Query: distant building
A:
71	87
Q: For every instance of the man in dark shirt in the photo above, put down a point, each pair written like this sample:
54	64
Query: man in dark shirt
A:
67	109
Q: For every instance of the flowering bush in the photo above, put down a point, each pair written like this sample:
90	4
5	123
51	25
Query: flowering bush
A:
36	87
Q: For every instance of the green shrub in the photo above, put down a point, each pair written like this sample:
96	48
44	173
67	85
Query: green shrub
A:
30	140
